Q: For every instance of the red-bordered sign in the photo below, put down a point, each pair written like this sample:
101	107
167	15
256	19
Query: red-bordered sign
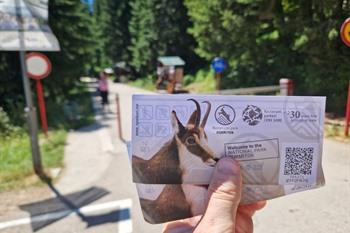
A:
38	65
345	32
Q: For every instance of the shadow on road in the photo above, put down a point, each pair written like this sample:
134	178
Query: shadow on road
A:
113	216
46	212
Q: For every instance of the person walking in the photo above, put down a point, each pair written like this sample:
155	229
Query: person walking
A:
103	89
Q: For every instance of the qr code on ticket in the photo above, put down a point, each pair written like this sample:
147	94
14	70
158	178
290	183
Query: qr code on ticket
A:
298	160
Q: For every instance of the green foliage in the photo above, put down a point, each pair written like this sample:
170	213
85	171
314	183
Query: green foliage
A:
11	90
265	40
6	127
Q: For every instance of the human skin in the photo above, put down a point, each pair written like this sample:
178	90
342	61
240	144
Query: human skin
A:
224	214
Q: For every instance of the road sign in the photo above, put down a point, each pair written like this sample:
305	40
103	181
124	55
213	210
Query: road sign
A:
38	68
38	65
24	26
218	64
345	32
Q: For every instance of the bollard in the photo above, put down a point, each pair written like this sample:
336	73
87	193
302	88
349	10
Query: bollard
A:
286	86
347	116
119	118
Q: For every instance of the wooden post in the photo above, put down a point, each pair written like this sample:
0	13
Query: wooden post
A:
286	86
347	116
119	118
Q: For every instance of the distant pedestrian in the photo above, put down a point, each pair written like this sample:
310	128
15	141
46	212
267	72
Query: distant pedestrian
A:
103	88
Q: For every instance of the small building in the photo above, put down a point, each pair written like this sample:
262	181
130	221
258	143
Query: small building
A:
170	73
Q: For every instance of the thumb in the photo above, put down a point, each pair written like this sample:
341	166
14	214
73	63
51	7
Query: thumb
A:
224	196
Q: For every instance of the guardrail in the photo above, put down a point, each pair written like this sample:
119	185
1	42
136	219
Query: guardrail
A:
250	90
285	88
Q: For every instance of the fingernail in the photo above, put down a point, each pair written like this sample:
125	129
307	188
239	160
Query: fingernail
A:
228	166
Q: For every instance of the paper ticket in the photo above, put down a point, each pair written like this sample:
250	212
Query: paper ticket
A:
177	139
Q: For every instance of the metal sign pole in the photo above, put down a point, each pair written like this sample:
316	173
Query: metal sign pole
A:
30	109
218	80
31	118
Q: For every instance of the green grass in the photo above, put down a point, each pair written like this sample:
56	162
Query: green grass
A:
145	83
16	168
202	82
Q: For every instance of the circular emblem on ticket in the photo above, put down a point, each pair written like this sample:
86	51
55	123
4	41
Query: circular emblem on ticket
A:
252	115
225	114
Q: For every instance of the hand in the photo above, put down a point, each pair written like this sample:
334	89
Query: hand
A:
223	214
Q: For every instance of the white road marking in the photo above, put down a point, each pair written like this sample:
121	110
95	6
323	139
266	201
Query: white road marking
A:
124	226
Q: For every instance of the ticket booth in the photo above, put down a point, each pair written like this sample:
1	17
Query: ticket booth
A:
170	74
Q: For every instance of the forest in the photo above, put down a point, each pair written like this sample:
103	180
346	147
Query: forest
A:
261	40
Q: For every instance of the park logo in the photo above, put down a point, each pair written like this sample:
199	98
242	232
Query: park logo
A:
225	114
252	115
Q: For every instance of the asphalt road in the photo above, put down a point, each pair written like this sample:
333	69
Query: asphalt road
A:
95	192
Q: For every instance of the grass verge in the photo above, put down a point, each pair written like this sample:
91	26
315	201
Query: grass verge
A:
145	83
16	168
70	112
202	82
336	132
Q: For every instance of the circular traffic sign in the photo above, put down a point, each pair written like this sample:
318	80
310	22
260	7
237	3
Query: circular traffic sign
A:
38	65
345	32
218	64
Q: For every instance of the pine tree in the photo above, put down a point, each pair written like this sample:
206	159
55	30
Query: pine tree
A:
117	31
102	18
143	34
112	18
75	29
159	28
